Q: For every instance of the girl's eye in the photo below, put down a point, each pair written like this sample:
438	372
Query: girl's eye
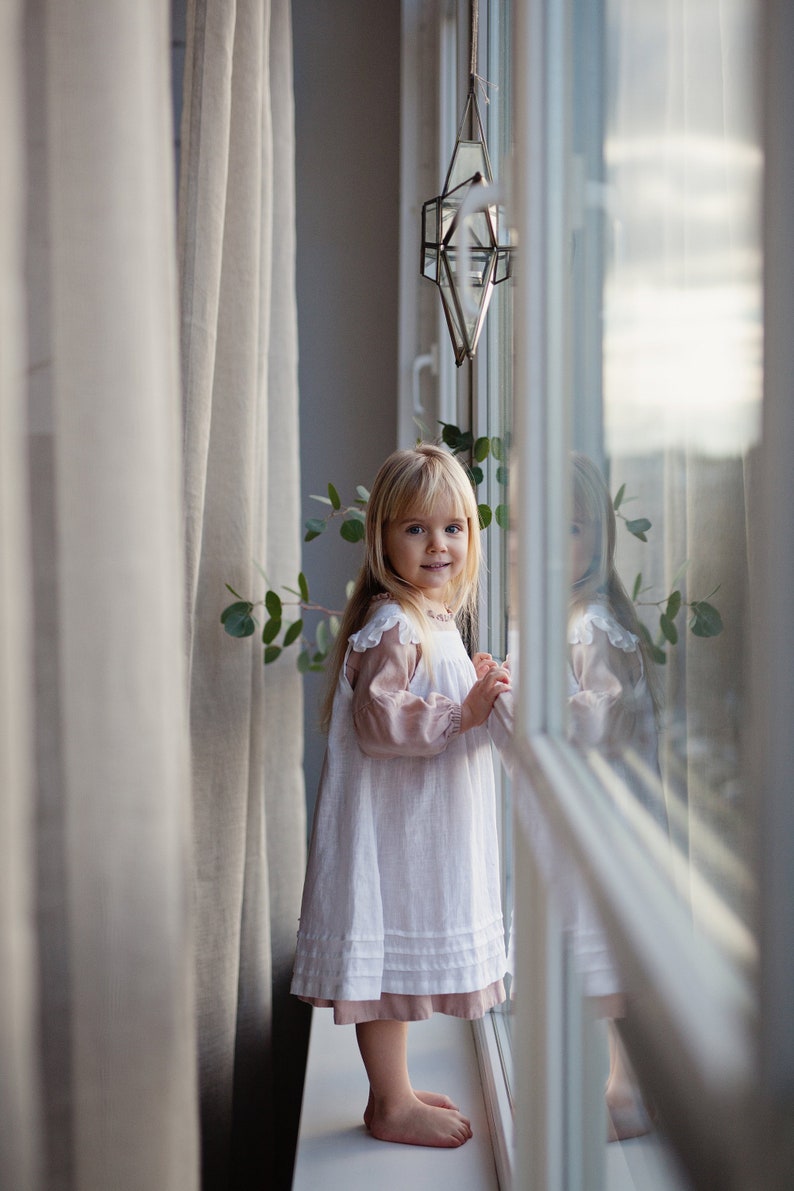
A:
454	529
414	529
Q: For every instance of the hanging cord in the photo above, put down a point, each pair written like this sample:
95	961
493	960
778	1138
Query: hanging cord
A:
475	29
474	77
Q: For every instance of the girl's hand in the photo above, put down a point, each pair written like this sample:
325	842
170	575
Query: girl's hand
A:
483	662
482	696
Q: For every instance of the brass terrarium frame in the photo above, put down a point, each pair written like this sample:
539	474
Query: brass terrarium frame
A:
461	248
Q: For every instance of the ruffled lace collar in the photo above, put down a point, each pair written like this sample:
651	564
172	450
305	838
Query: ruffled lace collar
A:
599	616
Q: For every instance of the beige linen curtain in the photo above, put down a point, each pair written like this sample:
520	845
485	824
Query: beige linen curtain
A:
144	929
18	1085
239	352
98	1031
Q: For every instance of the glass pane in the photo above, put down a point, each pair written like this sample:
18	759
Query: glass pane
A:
668	402
469	160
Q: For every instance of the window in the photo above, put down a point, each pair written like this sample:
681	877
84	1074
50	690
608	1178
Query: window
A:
639	342
635	184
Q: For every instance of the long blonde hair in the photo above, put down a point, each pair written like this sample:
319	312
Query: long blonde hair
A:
592	505
411	482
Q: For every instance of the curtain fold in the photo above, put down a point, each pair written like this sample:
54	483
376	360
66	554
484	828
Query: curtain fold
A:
239	350
97	1025
19	1121
114	420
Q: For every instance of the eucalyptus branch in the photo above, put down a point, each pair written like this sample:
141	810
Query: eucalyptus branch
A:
239	619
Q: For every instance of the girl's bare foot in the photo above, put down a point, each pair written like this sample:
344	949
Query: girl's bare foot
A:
628	1116
411	1121
436	1099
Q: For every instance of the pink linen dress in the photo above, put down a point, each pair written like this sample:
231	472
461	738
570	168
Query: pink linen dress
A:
401	912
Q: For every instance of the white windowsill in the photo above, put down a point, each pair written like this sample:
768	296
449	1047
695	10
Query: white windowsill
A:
335	1151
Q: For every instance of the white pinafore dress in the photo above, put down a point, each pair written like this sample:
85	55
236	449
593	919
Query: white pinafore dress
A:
402	890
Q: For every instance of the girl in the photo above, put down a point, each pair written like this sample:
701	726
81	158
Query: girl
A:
401	913
613	705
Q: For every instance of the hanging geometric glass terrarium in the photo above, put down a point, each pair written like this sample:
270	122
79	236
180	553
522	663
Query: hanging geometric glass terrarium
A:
462	250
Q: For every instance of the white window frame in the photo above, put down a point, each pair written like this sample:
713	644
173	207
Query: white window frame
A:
718	1058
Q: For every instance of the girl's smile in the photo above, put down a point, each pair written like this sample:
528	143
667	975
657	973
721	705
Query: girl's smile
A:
429	551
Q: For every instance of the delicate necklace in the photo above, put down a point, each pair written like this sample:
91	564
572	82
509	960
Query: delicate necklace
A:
445	616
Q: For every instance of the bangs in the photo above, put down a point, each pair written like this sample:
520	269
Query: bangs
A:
424	492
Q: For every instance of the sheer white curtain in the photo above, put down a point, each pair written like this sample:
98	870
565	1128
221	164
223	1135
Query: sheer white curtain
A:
239	352
147	905
19	1134
96	799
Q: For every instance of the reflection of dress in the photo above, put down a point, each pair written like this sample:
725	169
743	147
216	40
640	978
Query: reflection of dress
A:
610	709
610	705
402	892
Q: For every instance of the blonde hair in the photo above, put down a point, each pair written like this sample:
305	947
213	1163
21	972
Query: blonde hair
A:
592	506
411	482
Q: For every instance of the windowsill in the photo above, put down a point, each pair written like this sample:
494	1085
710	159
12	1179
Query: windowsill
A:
335	1151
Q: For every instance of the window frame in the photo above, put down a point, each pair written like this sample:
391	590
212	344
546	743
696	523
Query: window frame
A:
722	1084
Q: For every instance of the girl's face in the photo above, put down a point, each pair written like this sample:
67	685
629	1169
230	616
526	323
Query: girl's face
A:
582	548
428	550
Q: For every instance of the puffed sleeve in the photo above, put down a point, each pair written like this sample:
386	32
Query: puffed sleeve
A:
389	719
603	711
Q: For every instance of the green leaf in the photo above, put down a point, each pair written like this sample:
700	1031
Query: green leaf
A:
635	591
363	493
242	605
322	638
317	667
706	620
673	606
502	515
501	474
351	530
658	655
314	527
293	633
481	448
618	501
333	496
639	527
476	474
450	434
349	588
322	499
229	587
271	630
645	634
304	587
356	515
238	621
304	661
273	604
459	440
271	653
668	629
335	625
485	515
497	449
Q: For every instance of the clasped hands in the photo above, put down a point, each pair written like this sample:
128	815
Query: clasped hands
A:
492	680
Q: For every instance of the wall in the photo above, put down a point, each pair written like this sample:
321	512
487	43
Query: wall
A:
347	112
